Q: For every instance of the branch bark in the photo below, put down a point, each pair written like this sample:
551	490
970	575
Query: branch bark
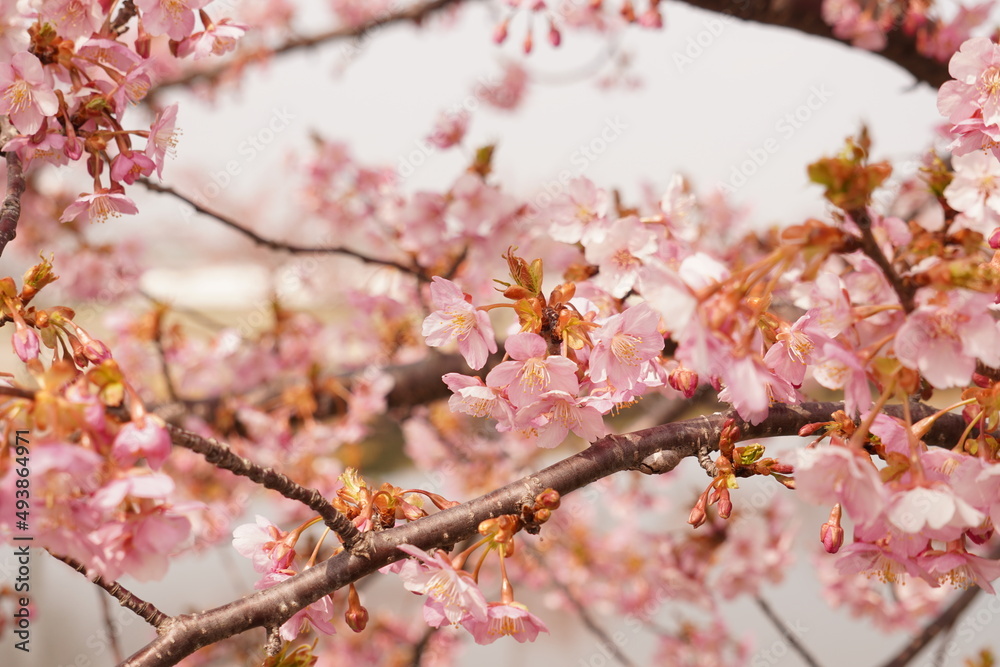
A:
182	635
10	211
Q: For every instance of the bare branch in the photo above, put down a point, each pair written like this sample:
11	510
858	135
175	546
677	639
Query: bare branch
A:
279	245
10	210
786	633
415	14
141	608
222	457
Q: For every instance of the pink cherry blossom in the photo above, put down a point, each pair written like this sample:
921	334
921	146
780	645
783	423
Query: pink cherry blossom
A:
839	368
216	40
162	137
975	192
620	253
265	544
511	619
533	371
472	397
147	438
26	93
793	351
126	167
453	589
142	546
456	318
624	345
73	18
934	511
945	335
449	129
750	387
837	474
961	568
573	213
556	413
173	17
99	206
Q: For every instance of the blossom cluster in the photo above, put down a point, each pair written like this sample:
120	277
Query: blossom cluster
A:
66	92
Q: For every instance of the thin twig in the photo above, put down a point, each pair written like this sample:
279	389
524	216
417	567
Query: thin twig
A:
110	629
871	248
10	211
421	646
279	245
595	629
415	14
789	636
222	457
141	608
162	354
942	623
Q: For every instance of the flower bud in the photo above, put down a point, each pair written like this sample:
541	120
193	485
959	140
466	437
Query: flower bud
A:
549	499
831	533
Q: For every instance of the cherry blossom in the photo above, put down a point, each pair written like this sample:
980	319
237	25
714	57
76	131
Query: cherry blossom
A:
556	413
72	18
265	544
946	334
624	345
99	206
455	318
26	93
620	253
533	371
172	17
217	39
148	438
835	474
453	589
511	619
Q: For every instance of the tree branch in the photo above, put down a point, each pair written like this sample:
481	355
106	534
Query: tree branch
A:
141	608
786	633
10	210
943	622
415	14
904	290
279	245
222	457
806	16
268	608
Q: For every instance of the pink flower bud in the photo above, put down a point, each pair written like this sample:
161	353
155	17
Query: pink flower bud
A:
500	32
555	37
25	343
830	533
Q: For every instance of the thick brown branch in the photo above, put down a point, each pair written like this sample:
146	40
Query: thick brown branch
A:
279	245
605	457
10	210
220	456
806	16
143	609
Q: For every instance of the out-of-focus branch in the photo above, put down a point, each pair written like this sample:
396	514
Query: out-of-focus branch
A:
615	453
220	456
279	245
10	210
806	16
945	620
414	14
